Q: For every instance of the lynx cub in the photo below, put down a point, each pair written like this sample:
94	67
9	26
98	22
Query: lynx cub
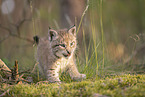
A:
55	54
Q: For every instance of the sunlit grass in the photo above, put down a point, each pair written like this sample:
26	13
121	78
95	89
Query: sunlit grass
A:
90	50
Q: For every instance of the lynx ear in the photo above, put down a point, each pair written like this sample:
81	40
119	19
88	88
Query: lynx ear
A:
52	34
72	30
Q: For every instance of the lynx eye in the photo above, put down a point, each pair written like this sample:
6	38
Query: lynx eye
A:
71	44
63	45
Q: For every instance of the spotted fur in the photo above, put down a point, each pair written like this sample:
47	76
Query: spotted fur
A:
55	53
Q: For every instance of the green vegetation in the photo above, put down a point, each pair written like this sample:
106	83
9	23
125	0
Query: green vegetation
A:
110	51
114	86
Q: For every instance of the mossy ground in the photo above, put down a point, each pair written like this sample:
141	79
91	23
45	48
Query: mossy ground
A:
114	86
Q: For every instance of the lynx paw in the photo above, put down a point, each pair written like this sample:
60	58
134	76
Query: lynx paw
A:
54	80
83	76
80	77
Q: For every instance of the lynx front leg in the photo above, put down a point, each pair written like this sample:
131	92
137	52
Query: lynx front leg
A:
75	75
53	76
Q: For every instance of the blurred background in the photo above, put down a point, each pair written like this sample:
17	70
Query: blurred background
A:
111	36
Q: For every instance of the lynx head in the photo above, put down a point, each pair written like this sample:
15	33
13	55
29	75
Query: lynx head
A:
63	42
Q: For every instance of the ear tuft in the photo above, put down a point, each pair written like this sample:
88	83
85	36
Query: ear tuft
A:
52	34
72	30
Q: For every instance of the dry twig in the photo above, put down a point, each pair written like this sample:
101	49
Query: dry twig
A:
15	73
34	67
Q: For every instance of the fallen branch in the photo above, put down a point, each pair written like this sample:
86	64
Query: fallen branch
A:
4	66
13	74
4	69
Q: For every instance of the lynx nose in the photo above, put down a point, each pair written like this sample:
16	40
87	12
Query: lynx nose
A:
68	54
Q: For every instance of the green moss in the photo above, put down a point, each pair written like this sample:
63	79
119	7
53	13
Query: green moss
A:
115	86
